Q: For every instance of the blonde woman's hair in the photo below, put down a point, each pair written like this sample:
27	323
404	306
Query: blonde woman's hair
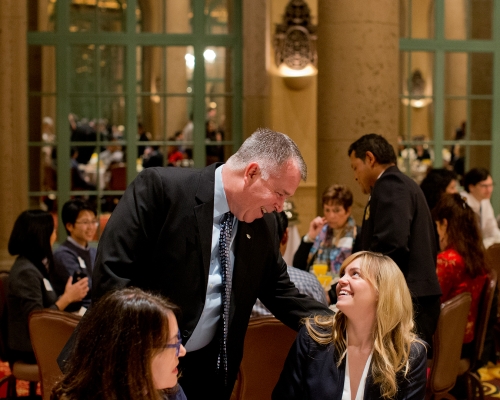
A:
393	330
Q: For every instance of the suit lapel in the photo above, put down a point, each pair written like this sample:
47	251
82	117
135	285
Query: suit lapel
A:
244	246
204	215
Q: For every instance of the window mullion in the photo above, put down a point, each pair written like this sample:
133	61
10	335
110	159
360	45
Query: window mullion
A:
495	124
63	68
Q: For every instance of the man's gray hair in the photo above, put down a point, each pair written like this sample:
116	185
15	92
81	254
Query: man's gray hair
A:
271	150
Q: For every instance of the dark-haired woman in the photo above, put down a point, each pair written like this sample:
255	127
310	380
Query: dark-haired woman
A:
29	285
437	182
461	265
137	353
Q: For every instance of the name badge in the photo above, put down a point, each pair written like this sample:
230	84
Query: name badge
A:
82	263
48	286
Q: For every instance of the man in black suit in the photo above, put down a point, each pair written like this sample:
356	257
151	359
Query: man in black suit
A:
163	236
397	222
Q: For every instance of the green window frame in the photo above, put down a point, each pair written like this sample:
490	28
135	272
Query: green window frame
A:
61	40
438	46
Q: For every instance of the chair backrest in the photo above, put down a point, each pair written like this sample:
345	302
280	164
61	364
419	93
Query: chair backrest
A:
118	179
493	256
4	290
447	343
49	332
483	317
493	259
267	343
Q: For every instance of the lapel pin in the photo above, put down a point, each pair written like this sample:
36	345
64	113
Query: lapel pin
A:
248	236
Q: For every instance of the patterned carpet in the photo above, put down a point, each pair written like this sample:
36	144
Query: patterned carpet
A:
490	376
21	386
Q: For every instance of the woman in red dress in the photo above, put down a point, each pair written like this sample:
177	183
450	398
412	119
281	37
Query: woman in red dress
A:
461	265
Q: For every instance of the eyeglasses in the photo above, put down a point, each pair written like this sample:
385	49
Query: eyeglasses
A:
176	345
486	185
87	223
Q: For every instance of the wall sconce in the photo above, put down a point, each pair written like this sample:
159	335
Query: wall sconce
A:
417	91
295	46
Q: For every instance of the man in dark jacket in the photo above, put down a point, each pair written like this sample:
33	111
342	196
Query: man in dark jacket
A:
397	222
164	236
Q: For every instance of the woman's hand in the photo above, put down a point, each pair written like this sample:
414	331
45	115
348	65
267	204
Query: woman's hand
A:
73	292
76	291
315	227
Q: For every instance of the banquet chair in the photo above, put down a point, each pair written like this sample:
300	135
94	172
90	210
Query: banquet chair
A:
493	255
19	370
267	343
118	178
447	346
468	366
49	332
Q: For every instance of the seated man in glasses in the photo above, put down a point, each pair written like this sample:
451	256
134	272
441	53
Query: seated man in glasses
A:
478	186
74	257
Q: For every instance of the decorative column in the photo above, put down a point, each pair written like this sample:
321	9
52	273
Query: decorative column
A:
358	53
13	120
256	86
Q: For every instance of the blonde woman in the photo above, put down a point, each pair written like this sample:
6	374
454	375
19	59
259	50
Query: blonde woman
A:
368	349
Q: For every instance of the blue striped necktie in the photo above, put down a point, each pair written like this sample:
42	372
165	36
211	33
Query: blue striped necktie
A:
226	229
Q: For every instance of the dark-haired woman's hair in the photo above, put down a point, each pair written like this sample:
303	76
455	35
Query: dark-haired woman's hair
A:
281	223
463	232
115	344
435	184
30	238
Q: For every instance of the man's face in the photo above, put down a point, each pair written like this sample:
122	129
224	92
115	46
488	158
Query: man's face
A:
260	196
84	228
362	173
483	189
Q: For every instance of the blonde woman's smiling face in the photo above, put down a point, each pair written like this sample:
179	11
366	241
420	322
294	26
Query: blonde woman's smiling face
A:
356	296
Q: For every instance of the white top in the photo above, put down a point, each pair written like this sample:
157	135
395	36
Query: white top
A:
488	223
346	393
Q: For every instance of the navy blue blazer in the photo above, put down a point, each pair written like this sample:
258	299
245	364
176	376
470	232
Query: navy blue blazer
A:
311	372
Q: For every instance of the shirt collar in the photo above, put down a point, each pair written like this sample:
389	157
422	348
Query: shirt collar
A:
74	242
472	201
371	189
220	201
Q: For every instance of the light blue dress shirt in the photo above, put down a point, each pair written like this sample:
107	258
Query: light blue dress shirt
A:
207	325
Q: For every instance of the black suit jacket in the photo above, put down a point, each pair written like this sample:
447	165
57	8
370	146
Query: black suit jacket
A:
159	238
397	222
311	372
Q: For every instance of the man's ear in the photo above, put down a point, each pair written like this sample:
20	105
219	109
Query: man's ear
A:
370	159
69	227
252	171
